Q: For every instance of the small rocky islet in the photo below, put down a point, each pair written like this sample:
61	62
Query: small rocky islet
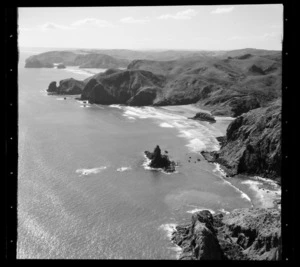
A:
159	161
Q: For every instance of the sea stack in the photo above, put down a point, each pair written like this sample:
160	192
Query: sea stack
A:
159	161
202	116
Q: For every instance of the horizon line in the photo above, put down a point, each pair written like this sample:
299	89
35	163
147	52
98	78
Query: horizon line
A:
149	49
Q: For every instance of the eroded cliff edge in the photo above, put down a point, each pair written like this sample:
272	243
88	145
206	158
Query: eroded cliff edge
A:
252	144
244	234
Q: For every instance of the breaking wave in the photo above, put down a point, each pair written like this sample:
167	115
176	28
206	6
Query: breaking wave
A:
90	171
222	174
199	136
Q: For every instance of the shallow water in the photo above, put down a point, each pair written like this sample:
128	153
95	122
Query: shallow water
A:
83	191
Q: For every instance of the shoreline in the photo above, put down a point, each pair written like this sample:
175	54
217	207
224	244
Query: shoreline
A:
264	197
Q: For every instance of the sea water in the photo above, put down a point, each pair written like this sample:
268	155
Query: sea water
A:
84	191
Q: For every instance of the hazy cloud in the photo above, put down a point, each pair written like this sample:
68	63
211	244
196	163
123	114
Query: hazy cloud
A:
221	10
186	14
134	21
53	26
264	36
92	22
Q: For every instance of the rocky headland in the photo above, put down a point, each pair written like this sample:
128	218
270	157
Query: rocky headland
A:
252	145
159	161
75	58
66	87
226	84
243	234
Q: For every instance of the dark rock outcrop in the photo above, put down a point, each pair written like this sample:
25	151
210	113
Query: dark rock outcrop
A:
256	70
61	66
253	144
52	88
202	116
243	234
66	87
131	87
159	161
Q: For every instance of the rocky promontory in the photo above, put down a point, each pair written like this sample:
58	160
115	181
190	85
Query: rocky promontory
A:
75	58
66	87
243	234
202	116
35	63
225	83
252	144
159	161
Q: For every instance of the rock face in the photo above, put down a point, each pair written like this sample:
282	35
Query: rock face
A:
159	161
202	116
252	144
244	234
226	87
66	87
52	88
131	87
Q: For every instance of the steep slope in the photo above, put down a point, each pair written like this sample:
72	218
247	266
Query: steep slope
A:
133	87
225	85
228	86
66	87
244	234
252	144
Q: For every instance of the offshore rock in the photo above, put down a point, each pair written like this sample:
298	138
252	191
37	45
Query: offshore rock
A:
61	66
202	116
66	87
159	161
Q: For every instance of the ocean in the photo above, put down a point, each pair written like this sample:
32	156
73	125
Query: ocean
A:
84	190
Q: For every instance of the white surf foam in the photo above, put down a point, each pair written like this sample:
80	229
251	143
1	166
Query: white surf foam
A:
116	106
86	72
224	211
199	135
219	169
131	118
265	196
222	175
147	167
169	228
267	181
200	209
90	171
122	169
166	125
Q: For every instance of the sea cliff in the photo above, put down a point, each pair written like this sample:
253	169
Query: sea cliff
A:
243	234
252	144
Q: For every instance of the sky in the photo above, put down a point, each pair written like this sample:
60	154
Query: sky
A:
195	27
